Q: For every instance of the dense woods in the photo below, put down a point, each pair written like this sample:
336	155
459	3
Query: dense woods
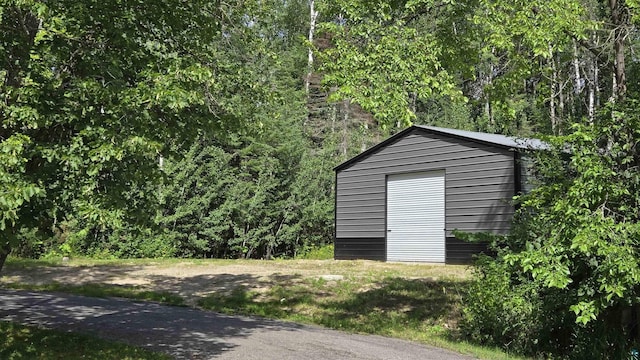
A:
210	129
163	130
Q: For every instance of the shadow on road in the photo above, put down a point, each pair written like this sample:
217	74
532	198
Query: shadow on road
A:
187	333
180	332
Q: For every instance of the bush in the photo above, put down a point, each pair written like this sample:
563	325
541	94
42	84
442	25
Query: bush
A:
565	283
500	312
506	307
31	244
317	253
130	243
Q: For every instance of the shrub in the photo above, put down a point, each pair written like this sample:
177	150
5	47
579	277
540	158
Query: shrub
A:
499	311
317	253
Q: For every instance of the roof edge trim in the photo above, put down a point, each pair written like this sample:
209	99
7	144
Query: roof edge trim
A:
457	134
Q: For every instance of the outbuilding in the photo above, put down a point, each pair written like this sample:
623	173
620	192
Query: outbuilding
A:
401	199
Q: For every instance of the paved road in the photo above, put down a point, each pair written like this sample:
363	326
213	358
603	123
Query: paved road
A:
192	334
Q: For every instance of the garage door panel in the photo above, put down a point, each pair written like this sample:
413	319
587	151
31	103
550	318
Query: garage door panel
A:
415	217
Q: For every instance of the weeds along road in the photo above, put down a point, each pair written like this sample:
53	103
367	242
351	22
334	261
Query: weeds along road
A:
193	334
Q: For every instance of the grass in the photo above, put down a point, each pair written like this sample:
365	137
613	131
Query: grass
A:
422	310
318	253
22	263
388	306
410	301
306	266
101	290
27	342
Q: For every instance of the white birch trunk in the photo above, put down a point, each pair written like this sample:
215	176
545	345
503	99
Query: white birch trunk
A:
313	16
552	98
578	84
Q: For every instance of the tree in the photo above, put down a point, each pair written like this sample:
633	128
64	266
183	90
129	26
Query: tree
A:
260	191
570	266
571	263
522	66
90	93
380	59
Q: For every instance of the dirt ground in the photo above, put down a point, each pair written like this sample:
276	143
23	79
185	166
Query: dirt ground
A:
195	279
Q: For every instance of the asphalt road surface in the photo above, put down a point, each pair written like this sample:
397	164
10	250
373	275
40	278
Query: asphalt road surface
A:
186	333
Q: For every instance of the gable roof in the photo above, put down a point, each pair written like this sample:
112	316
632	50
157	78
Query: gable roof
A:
497	140
493	139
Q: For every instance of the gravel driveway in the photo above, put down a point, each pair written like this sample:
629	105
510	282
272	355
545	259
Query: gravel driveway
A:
192	334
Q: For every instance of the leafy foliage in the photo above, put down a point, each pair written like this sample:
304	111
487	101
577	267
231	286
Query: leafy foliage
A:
499	312
318	253
573	258
254	197
94	93
91	92
378	59
257	191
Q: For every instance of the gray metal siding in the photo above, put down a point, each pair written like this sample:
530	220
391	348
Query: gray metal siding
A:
360	248
461	252
479	183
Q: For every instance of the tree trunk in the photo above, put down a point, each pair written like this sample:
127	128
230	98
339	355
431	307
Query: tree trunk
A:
620	33
552	97
591	105
313	15
4	252
487	106
577	80
344	147
560	109
596	79
594	86
413	97
488	111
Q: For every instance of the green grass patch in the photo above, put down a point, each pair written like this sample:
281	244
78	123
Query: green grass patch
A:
22	263
318	253
414	309
27	342
100	290
417	302
385	307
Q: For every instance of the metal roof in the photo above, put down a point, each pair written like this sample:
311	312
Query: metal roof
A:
497	140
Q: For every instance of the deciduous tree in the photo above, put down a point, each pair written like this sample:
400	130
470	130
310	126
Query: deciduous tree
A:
90	93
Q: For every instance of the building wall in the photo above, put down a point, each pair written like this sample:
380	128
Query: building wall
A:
479	182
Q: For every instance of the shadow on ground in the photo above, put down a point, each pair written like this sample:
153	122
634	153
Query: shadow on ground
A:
389	306
191	285
383	307
179	332
397	303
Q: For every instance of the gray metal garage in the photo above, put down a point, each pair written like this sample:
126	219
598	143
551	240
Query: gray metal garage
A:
401	199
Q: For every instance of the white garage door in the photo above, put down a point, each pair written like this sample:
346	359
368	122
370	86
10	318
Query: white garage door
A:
415	217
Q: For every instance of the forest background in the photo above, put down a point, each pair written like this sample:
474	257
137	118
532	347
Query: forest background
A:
207	129
245	108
